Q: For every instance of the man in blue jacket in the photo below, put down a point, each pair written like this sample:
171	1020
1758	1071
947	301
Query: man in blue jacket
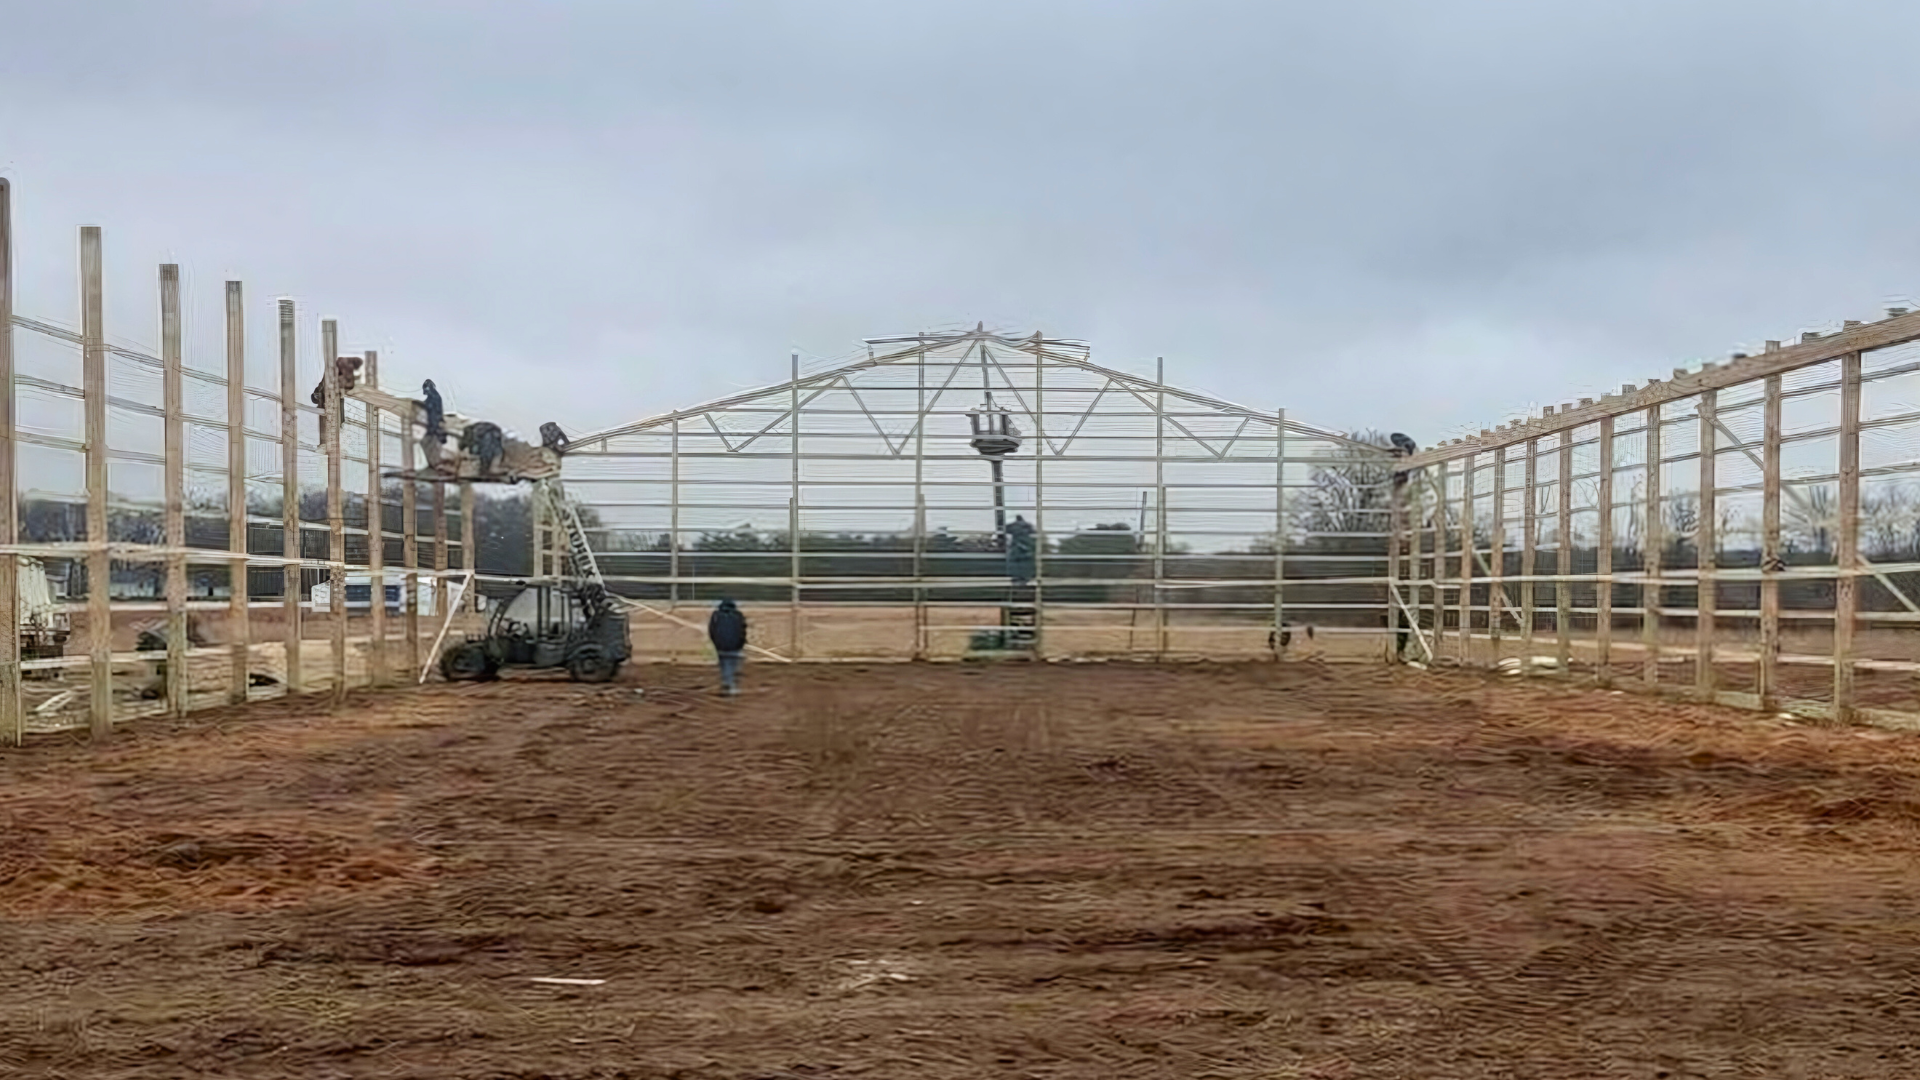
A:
727	629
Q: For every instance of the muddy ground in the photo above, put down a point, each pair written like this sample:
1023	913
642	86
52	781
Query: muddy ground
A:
1099	871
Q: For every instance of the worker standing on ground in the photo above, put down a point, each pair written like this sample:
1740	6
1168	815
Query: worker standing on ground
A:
727	629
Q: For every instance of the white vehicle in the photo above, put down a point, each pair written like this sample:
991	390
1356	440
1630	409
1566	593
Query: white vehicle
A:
360	594
44	627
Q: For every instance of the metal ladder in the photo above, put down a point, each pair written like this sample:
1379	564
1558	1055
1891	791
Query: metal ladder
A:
562	511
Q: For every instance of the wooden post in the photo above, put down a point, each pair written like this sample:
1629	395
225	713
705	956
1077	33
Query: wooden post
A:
1497	556
1847	549
1529	553
1039	499
1160	516
1396	520
410	531
1653	539
920	509
12	717
291	547
1416	554
175	470
1563	561
1279	522
793	516
378	671
470	546
673	537
1706	553
1466	560
99	567
1442	533
239	617
334	417
1603	569
440	612
1770	561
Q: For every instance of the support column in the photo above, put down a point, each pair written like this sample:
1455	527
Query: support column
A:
1497	557
291	546
793	516
673	535
1160	514
1654	539
333	418
440	591
1706	548
1529	554
1563	561
1847	549
379	674
1466	560
1603	569
239	578
410	534
12	717
175	470
1771	562
1039	498
920	509
1416	558
1280	523
99	567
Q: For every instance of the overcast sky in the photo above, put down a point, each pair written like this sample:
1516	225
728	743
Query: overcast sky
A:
1426	215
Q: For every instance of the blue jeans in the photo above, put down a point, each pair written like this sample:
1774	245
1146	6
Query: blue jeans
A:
730	671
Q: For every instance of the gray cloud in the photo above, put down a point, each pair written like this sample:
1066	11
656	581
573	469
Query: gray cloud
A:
1423	216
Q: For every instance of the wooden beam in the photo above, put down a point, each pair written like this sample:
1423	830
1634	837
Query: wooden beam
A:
1465	560
1847	549
470	546
1706	545
1563	560
1497	556
1652	540
1603	568
440	555
793	516
99	568
239	624
1895	330
1396	523
1530	554
379	673
12	716
175	470
291	546
1770	561
333	418
410	532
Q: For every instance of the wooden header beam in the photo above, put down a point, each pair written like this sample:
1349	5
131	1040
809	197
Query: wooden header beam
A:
1894	330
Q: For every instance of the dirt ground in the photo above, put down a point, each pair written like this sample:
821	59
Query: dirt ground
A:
958	871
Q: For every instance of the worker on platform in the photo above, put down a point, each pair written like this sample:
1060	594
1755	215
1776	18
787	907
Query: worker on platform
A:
436	421
727	629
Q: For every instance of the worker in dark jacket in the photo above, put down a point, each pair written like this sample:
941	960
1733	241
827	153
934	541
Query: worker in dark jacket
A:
727	629
436	421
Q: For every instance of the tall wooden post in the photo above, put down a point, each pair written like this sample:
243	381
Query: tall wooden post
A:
99	566
239	621
291	546
175	470
1847	550
440	551
673	537
1160	515
1653	540
1396	521
334	418
1603	568
793	515
1497	556
410	532
378	671
1529	552
1465	560
1771	562
12	717
1706	548
1279	522
1563	560
1416	553
920	508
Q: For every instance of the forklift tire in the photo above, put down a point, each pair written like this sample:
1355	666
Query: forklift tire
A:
589	664
469	663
